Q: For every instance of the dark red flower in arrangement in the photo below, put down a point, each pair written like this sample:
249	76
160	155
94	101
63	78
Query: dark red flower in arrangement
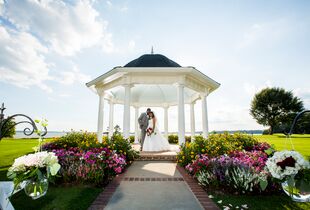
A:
290	161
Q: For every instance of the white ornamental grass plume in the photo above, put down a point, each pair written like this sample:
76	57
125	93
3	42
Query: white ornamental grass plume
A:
279	173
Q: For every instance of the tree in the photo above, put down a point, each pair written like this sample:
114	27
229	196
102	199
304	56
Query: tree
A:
9	129
275	106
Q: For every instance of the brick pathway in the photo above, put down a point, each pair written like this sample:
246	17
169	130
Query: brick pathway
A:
153	185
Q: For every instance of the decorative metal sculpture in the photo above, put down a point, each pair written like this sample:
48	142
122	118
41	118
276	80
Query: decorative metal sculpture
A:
27	131
295	121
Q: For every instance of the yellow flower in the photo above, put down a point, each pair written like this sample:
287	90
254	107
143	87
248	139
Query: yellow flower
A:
192	156
202	150
183	157
192	153
121	151
124	153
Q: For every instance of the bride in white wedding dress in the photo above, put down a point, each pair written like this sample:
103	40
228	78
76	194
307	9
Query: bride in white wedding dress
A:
154	141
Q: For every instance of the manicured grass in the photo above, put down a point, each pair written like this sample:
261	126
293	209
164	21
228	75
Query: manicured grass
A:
60	198
260	202
57	197
11	149
301	142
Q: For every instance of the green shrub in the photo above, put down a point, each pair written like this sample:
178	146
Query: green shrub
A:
86	140
215	145
81	139
173	139
132	139
123	146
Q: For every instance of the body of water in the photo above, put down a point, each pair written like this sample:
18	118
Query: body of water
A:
51	134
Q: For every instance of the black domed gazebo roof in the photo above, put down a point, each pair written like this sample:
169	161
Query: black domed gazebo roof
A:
152	60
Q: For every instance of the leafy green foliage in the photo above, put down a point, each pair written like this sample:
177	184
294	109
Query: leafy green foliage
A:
215	145
275	106
9	129
173	139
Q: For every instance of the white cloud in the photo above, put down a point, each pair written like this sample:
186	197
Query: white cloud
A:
131	45
66	28
109	3
70	77
252	89
267	33
304	94
22	60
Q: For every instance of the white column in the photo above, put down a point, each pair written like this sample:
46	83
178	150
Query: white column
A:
181	114
205	129
136	125
111	116
100	117
166	120
192	113
126	120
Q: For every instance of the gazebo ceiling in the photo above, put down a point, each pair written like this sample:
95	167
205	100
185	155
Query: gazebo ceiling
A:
152	95
152	60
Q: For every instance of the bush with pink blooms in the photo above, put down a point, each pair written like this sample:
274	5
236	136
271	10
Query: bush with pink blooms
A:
240	171
95	166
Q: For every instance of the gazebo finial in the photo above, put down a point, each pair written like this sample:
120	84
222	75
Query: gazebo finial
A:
152	50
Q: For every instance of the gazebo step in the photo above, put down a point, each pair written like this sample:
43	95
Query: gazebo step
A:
168	156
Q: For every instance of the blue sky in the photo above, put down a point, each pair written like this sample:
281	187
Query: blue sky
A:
49	49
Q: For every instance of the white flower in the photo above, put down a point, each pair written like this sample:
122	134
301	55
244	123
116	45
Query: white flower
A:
39	159
279	173
220	201
211	196
245	206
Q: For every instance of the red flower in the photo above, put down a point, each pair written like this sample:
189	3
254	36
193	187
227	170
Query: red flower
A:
290	161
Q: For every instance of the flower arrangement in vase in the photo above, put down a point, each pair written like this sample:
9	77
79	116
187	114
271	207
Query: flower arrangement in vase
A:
293	171
33	171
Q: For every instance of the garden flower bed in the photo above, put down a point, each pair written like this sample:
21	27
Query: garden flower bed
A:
84	160
230	164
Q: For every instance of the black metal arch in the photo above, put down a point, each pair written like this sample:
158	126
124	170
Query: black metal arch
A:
296	119
27	131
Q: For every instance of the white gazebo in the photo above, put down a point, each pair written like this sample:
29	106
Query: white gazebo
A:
153	80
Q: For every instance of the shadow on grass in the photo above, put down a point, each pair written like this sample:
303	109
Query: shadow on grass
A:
307	136
3	173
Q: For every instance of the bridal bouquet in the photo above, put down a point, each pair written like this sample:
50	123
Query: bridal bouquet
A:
149	131
33	171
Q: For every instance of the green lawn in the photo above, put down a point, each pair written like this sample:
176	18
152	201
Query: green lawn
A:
260	202
57	197
11	149
60	198
301	142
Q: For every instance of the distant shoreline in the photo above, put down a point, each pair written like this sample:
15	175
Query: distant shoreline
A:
52	134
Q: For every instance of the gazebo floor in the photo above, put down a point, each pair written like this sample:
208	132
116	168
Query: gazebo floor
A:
163	155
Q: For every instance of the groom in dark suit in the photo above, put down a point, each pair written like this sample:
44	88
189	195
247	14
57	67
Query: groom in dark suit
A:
143	121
